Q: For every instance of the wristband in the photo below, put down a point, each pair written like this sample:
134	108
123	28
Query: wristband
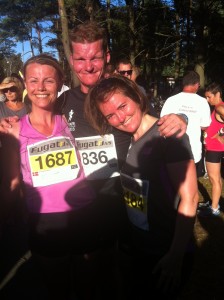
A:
221	132
184	116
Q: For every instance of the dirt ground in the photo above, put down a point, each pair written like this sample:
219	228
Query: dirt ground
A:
207	280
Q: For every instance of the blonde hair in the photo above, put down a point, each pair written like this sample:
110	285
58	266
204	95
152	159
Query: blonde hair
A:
17	83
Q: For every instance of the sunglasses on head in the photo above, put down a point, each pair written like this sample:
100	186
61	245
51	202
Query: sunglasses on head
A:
129	72
11	89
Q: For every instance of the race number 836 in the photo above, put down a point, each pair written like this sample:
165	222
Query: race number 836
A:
94	157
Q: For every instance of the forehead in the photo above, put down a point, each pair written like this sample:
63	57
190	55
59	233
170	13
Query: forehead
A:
209	94
87	49
36	70
125	66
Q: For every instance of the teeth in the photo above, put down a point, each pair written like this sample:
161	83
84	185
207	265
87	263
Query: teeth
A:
41	96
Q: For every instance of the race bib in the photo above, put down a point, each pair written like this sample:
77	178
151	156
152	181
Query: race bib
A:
136	195
99	156
53	161
135	192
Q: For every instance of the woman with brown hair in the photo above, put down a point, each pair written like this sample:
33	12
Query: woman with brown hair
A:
159	189
214	146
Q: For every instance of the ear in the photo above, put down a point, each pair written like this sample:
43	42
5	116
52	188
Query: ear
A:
108	56
218	95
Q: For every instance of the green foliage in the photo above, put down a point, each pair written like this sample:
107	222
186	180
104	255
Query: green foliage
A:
162	37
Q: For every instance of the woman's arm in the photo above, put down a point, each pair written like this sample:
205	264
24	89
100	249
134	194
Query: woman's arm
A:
183	177
10	179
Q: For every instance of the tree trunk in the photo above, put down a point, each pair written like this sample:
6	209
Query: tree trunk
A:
177	50
132	30
65	38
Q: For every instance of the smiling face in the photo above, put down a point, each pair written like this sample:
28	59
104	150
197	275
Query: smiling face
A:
122	112
88	61
11	93
42	84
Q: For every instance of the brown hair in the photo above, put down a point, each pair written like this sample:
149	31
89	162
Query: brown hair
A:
214	88
190	78
124	61
104	89
45	59
89	32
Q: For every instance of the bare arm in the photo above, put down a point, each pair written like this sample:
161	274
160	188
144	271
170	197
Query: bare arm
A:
172	124
220	110
220	117
183	176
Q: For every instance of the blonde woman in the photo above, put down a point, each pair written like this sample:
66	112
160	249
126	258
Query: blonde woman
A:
12	89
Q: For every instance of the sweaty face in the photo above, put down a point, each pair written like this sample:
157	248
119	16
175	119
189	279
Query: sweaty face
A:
122	112
88	62
42	84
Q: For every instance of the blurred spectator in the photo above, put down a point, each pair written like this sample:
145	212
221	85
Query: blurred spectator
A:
124	68
214	145
12	89
195	108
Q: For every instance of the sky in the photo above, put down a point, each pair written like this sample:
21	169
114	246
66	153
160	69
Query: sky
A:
25	50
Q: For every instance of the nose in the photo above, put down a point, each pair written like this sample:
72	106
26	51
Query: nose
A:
41	86
121	117
89	65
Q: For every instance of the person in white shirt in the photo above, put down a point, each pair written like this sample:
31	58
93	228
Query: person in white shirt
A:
196	109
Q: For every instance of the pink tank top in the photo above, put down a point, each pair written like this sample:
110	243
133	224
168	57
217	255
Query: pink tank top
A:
211	143
51	169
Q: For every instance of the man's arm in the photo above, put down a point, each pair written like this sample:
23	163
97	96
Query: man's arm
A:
172	124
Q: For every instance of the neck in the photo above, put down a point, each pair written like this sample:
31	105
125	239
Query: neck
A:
84	89
14	104
146	123
190	89
42	121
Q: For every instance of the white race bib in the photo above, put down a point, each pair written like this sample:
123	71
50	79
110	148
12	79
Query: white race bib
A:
99	156
52	161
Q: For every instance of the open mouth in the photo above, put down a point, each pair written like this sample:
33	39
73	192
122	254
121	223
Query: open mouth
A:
41	96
